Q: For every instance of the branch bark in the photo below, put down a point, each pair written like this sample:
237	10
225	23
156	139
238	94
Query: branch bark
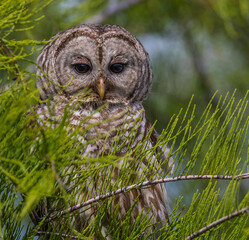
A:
57	234
112	9
141	185
217	222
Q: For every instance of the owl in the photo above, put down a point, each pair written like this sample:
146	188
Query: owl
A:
103	74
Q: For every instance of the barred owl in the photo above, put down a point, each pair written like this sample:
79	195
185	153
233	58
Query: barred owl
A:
115	68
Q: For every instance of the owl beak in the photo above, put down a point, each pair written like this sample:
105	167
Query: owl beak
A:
101	87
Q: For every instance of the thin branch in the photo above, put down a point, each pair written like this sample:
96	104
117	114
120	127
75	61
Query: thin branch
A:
217	222
112	9
145	184
57	234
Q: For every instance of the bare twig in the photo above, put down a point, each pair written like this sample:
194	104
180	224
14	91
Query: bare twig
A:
57	234
145	184
217	222
112	9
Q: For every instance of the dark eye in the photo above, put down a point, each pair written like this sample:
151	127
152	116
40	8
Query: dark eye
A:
81	68
117	67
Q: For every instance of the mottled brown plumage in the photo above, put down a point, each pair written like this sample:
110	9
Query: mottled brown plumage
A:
114	66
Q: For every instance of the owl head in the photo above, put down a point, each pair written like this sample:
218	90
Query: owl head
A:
106	59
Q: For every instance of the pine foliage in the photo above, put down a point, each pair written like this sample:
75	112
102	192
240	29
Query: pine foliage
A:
35	156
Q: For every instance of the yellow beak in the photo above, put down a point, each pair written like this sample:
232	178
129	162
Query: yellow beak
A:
101	87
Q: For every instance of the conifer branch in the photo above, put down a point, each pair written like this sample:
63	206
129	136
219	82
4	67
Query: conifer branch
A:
57	177
145	184
9	53
217	222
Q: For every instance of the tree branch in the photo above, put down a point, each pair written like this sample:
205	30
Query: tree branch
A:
144	184
112	9
217	222
57	234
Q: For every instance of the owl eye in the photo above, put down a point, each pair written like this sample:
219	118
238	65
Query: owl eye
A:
81	68
117	67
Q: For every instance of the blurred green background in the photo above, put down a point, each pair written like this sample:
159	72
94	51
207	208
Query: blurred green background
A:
196	48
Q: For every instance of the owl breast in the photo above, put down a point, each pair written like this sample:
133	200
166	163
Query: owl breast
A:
109	127
119	128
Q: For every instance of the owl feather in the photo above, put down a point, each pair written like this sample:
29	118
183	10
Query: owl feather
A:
102	74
